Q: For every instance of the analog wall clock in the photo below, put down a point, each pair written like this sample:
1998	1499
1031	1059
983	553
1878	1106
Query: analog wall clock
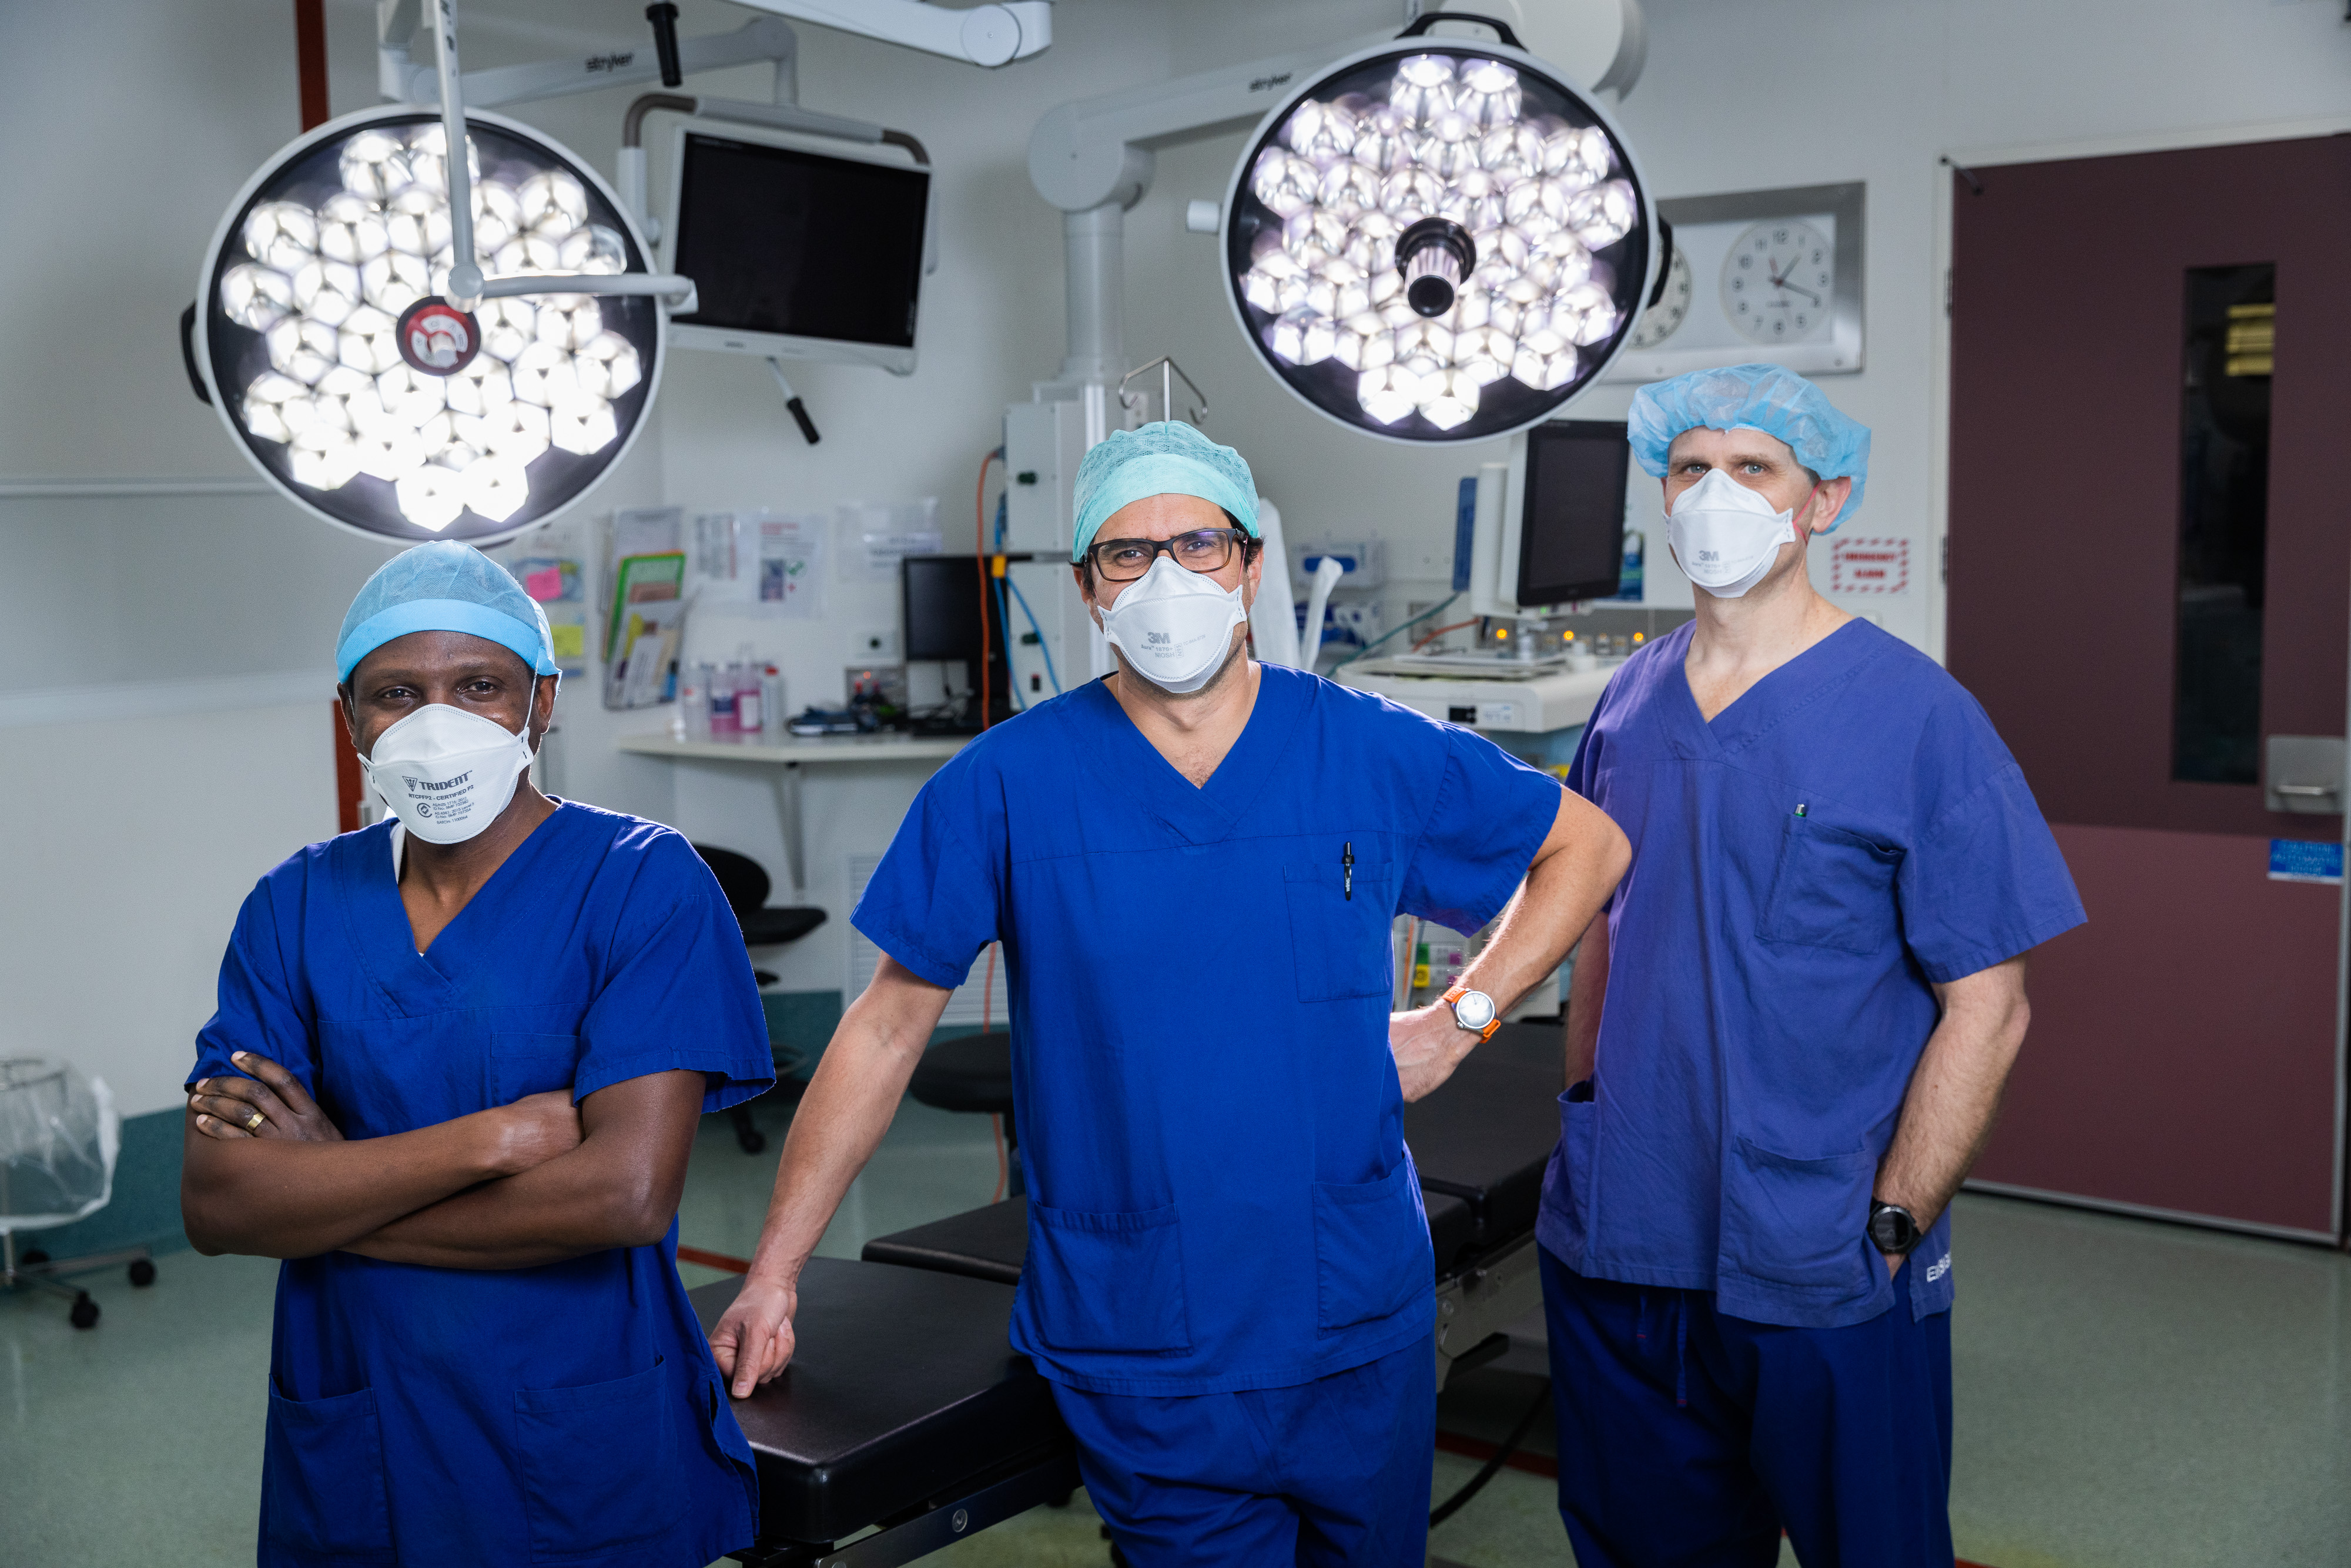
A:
1756	274
1778	280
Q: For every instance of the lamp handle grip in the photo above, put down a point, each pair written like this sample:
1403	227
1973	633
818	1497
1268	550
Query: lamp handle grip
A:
188	354
1427	19
663	14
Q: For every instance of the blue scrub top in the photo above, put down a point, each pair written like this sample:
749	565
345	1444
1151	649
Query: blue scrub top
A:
569	1412
1210	1127
1847	834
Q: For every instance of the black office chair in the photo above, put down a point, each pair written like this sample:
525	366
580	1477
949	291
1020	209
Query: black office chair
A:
974	1073
744	883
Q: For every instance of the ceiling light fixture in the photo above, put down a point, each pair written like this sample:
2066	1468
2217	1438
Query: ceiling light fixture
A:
1437	239
348	336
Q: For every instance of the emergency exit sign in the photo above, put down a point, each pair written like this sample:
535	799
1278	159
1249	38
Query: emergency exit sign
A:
1869	566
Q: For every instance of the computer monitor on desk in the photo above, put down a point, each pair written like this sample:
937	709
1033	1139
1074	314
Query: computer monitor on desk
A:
1548	528
944	599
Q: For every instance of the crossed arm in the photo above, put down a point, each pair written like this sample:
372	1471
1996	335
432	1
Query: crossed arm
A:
511	1188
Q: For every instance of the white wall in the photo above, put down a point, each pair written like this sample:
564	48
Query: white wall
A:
149	114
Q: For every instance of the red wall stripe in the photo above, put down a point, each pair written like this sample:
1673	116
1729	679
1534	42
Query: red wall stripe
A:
310	59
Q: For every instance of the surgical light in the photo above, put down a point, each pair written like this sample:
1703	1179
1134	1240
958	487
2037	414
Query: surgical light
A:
1438	239
328	337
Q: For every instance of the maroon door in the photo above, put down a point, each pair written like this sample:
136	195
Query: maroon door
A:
2142	599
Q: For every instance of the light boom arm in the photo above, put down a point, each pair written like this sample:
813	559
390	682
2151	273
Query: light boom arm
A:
984	35
403	80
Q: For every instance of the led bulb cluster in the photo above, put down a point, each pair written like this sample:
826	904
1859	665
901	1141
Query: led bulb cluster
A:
326	287
1537	195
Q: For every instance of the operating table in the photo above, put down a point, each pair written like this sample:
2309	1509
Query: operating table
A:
906	1407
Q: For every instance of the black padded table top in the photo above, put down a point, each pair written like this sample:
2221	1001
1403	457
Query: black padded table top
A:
987	1243
901	1377
1485	1135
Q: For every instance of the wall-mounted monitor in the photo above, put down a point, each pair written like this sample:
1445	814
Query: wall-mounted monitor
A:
1550	523
798	248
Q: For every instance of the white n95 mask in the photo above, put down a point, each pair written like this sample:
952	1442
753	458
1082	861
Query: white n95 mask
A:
1726	536
1175	626
448	773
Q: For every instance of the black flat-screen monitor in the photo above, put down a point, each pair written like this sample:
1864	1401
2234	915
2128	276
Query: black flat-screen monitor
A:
942	602
1571	531
794	252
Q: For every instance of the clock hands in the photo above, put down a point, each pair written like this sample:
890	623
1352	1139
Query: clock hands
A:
1779	280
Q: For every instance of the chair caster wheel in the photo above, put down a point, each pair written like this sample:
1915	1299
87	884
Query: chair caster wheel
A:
84	1314
32	1258
142	1272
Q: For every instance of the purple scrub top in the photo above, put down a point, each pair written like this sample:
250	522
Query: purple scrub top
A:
1805	868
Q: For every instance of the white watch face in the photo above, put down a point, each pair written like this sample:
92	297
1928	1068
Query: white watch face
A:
1473	1009
1778	280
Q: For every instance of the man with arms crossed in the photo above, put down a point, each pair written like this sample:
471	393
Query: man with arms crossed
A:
1194	866
1786	1035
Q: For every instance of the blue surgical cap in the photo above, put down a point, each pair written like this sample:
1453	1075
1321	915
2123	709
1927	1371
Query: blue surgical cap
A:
1168	458
1768	398
444	586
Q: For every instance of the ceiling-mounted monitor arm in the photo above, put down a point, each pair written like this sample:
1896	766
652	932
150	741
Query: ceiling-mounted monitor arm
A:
402	79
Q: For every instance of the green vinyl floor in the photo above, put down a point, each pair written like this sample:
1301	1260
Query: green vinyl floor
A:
2129	1393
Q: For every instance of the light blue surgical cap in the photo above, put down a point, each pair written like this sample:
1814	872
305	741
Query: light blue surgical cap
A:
1768	398
1168	458
444	586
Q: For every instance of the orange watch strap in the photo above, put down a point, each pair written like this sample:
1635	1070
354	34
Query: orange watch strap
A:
1494	1023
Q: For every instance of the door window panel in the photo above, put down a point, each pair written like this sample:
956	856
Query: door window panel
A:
2224	476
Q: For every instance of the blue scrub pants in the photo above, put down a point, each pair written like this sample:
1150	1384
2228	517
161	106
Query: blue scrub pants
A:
1335	1471
1687	1438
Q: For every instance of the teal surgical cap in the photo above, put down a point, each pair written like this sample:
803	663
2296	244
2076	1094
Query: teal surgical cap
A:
1169	458
444	586
1768	398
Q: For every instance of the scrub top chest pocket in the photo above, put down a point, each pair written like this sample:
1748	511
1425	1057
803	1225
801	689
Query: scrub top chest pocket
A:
1832	888
524	1064
1340	914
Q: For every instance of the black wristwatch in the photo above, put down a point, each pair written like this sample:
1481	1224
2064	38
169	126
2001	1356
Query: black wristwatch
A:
1893	1230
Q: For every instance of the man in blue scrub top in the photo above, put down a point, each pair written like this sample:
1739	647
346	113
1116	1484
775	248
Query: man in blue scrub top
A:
1813	986
452	1080
1194	866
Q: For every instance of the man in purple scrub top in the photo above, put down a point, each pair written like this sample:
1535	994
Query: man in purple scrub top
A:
452	1081
1787	1035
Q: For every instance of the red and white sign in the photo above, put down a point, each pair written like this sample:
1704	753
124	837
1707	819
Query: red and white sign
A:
437	338
1869	566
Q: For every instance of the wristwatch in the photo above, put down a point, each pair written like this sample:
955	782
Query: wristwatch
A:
1473	1010
1893	1230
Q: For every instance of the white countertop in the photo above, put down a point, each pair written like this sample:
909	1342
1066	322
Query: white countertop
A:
793	748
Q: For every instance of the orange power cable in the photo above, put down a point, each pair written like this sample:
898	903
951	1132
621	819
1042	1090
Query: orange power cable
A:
1441	631
979	553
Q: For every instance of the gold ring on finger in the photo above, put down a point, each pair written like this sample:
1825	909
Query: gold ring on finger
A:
253	1122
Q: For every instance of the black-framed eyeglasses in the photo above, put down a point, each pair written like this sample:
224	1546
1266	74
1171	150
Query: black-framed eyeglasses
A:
1202	549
